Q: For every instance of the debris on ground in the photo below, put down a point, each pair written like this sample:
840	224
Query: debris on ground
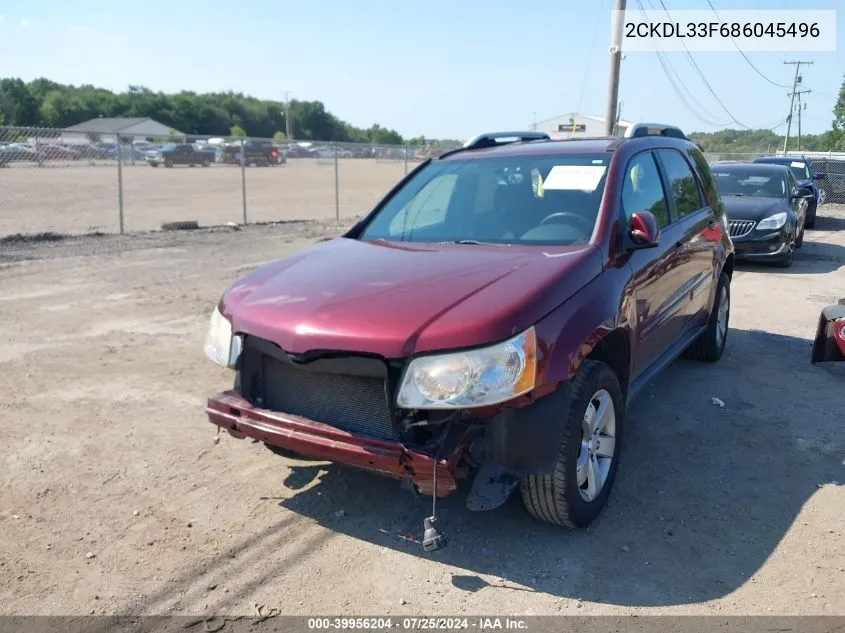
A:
718	402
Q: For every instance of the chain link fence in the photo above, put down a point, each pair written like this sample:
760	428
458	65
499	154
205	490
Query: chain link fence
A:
54	181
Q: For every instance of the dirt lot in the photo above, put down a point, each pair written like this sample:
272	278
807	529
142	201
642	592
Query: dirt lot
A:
114	497
75	198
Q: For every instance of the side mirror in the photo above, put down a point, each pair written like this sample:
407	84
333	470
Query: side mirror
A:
803	192
644	231
818	176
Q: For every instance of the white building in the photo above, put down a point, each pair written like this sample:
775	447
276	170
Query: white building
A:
107	129
575	124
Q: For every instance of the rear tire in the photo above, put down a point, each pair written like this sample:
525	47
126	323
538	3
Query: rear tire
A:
576	491
710	345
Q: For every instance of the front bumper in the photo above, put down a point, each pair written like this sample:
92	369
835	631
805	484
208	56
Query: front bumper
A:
764	244
230	411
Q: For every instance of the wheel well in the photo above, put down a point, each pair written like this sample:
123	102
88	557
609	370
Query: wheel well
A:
613	350
729	266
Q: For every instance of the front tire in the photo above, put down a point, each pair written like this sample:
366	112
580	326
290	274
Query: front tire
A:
576	491
710	345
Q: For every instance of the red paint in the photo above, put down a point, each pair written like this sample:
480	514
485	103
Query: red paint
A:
839	335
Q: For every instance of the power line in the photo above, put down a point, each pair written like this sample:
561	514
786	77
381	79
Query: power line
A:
744	56
703	78
677	84
590	56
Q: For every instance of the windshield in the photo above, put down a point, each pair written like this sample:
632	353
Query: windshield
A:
750	182
504	200
169	146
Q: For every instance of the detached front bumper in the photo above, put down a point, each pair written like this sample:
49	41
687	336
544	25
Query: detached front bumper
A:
230	411
764	244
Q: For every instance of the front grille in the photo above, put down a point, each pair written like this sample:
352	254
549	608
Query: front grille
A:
355	404
738	228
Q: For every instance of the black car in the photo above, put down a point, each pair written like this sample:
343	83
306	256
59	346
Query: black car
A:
766	210
800	168
179	154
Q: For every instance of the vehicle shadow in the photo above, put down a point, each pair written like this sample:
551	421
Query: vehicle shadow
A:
704	495
813	258
827	222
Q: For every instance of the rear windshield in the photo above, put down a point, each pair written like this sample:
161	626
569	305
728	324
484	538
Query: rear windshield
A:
551	199
799	168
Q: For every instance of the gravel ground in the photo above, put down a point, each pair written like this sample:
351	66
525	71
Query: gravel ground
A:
114	497
74	199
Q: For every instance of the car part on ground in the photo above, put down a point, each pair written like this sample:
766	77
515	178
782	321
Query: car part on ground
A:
829	344
493	315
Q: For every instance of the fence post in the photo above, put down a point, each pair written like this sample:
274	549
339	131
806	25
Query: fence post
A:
406	159
336	185
38	151
119	183
243	175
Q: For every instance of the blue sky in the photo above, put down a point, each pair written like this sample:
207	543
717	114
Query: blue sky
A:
442	68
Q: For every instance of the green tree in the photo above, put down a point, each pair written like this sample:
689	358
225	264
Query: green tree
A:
236	131
279	137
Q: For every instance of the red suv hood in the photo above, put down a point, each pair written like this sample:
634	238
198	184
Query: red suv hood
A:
395	300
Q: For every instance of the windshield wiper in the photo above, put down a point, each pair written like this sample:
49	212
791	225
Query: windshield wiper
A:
475	242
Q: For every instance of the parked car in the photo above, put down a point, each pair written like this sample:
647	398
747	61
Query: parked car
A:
173	154
766	210
800	167
58	152
209	151
829	345
258	152
494	313
17	152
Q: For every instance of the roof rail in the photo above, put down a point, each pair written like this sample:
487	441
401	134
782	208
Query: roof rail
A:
654	129
491	139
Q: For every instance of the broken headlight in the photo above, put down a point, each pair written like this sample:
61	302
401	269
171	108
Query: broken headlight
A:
221	345
472	378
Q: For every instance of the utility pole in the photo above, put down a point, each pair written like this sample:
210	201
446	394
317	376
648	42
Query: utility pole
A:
791	95
800	107
615	62
288	125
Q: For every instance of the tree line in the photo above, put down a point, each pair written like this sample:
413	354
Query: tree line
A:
45	103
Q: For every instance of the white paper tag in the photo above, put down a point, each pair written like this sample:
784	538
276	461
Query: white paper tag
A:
574	177
794	164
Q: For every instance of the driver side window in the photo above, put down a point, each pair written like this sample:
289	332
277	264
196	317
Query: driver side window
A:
642	189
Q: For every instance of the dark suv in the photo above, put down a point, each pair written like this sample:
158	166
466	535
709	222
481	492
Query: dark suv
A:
495	313
800	168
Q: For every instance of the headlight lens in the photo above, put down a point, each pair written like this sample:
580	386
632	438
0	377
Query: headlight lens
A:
773	222
475	378
220	345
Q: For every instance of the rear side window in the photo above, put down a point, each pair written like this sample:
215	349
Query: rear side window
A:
642	189
684	188
711	191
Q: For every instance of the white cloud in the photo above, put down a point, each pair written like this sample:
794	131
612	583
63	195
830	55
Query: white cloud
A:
24	22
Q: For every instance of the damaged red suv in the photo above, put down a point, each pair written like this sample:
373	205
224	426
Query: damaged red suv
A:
491	317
